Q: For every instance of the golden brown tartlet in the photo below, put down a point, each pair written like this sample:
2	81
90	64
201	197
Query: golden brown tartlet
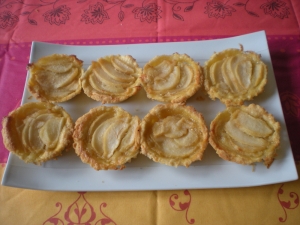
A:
171	78
173	134
107	137
55	78
245	135
112	79
37	132
234	76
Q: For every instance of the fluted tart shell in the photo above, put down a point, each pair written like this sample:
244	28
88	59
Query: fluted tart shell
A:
107	137
112	79
245	135
55	78
174	135
172	78
37	131
234	76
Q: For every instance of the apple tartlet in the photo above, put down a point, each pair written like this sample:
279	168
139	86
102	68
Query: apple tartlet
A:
107	137
112	79
174	135
171	78
55	78
234	76
245	135
37	132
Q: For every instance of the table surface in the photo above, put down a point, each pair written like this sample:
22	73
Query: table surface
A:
114	22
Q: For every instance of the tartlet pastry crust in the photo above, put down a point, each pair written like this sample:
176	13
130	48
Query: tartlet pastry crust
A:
112	79
173	134
107	137
37	131
171	78
245	135
55	78
234	76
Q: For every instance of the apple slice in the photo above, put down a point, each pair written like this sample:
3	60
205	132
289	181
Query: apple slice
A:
113	136
50	132
129	137
242	137
215	71
97	140
243	71
169	82
228	76
105	78
57	66
115	74
169	127
99	86
122	64
253	126
187	140
34	140
258	74
56	80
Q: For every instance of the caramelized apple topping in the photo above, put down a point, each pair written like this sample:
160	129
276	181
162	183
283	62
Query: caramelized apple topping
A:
174	135
107	137
171	78
55	78
37	132
234	76
245	134
112	79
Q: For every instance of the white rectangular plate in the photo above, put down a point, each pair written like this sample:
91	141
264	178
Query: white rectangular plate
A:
68	173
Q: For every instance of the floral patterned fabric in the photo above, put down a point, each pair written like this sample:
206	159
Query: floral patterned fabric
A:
272	204
112	22
23	20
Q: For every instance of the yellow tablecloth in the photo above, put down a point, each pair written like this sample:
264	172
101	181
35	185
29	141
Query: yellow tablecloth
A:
271	204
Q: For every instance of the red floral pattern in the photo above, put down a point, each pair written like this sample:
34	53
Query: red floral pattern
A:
176	7
244	5
106	219
58	15
95	14
80	212
149	13
218	9
181	206
122	5
29	9
293	203
8	19
276	8
54	219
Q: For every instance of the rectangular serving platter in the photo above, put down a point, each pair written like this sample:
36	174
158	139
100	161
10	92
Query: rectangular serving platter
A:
68	173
